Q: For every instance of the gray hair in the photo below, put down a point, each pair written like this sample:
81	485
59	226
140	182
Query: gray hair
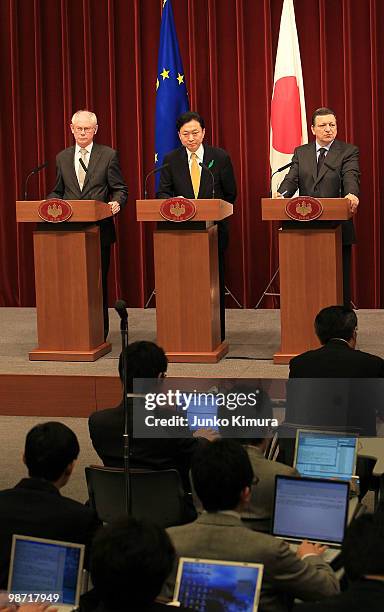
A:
92	117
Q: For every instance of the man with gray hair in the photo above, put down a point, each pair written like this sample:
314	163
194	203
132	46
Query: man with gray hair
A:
90	171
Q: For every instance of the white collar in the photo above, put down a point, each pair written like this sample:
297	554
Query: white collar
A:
87	148
199	153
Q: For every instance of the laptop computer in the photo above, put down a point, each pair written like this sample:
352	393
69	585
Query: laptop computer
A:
325	454
206	585
201	414
49	569
314	509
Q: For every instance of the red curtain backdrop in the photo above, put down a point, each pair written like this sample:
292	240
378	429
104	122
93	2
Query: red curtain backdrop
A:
60	55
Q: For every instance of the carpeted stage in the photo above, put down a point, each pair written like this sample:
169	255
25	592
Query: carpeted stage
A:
76	389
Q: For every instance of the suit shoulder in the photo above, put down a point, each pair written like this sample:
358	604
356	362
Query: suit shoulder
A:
216	152
369	357
174	154
69	151
304	356
346	146
104	149
103	416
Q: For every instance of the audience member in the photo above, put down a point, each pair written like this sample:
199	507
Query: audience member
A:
336	328
35	507
130	560
340	378
257	514
363	553
143	360
222	476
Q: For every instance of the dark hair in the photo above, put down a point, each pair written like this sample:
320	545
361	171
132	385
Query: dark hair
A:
335	322
130	560
143	360
187	117
220	472
259	409
363	546
49	449
320	112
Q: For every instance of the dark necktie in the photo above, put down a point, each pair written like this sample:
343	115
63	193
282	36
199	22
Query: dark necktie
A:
320	161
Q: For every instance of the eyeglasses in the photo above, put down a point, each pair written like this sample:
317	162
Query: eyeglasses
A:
87	130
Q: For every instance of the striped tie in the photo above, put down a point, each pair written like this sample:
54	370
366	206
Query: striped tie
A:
81	171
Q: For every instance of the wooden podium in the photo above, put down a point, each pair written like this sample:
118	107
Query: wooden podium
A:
311	274
69	300
187	281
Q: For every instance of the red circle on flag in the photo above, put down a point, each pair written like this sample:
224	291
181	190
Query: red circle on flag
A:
286	115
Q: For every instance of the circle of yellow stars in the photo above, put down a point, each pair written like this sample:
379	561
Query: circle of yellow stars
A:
165	75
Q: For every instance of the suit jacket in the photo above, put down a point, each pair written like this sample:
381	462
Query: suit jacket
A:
361	596
222	536
261	505
175	180
35	507
340	399
103	181
106	430
338	176
336	359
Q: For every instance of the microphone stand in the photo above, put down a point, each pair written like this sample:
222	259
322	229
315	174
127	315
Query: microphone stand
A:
121	309
32	173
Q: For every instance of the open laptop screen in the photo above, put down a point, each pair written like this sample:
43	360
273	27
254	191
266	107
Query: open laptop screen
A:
325	454
39	565
206	585
312	509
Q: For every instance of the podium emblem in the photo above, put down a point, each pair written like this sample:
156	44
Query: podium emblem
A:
55	210
178	209
304	208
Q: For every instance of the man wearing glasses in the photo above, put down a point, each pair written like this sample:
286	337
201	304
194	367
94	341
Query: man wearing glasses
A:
327	168
89	171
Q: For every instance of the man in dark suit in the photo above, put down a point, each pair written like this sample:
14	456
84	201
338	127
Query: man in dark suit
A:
134	551
363	556
35	507
327	168
336	328
223	477
184	176
340	398
89	171
144	360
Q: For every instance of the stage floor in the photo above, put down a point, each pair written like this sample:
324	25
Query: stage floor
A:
75	389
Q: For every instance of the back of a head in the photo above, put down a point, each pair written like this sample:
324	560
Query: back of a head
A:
363	546
130	561
335	322
220	472
49	449
143	360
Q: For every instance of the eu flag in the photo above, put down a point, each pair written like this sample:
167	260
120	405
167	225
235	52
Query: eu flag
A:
171	91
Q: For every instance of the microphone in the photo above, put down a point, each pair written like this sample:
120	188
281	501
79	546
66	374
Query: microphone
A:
83	165
121	309
153	171
34	171
279	170
212	177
